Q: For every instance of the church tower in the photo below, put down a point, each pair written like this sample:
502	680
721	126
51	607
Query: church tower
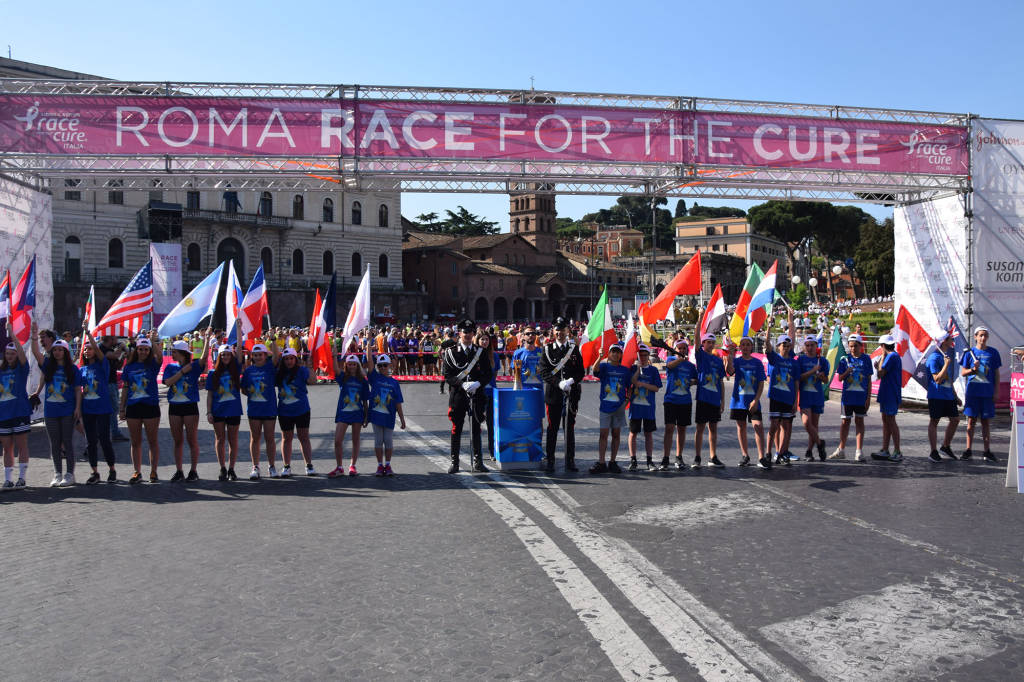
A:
532	216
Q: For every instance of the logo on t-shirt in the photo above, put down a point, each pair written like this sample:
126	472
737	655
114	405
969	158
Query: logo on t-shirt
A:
55	389
177	393
224	394
745	382
382	401
782	380
710	382
611	390
255	391
288	393
137	385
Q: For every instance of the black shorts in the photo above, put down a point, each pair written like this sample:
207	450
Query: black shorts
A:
263	419
780	410
182	409
854	411
743	416
230	421
937	409
17	425
300	421
649	425
707	413
142	411
680	414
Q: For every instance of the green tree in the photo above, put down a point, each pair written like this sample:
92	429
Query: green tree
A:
572	229
460	223
797	296
705	212
874	257
680	209
427	222
635	213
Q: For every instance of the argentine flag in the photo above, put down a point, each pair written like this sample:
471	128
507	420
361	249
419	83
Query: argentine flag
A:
199	303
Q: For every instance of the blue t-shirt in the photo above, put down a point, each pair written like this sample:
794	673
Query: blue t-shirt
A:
678	380
258	384
186	389
140	382
812	389
14	393
615	385
857	386
59	391
749	374
982	384
529	357
227	400
943	391
890	386
93	378
292	396
643	401
710	372
354	393
782	378
385	395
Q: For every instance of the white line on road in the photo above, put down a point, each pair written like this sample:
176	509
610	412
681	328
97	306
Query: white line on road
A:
706	510
630	656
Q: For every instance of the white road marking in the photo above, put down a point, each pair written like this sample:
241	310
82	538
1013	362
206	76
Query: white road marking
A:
630	656
710	657
708	510
909	631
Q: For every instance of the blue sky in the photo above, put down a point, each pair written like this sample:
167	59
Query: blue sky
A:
940	55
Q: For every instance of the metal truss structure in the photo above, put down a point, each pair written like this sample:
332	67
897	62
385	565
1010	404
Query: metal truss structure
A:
497	176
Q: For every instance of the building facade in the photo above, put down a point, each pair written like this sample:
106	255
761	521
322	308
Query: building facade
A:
607	242
734	237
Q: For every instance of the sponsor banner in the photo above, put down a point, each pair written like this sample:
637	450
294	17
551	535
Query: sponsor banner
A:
204	126
518	415
166	279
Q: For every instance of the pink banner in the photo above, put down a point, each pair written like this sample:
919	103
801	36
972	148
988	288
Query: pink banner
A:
158	126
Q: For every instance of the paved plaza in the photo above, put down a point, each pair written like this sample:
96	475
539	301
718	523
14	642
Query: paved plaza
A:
833	571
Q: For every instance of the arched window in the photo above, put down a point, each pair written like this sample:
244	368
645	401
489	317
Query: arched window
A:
298	266
115	253
382	216
298	209
328	210
357	264
267	258
328	262
266	204
357	213
382	265
72	258
193	257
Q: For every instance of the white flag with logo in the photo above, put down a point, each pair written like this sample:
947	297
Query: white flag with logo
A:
359	314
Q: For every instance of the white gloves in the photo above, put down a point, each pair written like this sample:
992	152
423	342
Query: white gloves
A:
470	386
565	384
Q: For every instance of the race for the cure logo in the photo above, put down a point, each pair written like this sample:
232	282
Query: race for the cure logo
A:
1017	387
936	154
62	127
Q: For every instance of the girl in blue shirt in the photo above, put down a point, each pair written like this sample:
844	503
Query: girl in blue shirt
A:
293	408
92	402
890	394
782	387
747	388
385	403
182	377
813	371
258	383
140	402
57	386
352	410
646	382
15	411
224	406
681	374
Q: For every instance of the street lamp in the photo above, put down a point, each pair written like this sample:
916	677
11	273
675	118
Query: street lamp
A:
813	284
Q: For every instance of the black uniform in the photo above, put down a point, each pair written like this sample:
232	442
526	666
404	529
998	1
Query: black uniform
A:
442	347
556	399
455	360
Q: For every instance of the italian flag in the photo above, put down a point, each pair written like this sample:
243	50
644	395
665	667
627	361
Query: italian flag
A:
599	334
743	305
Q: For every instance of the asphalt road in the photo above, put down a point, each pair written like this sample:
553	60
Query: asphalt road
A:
837	571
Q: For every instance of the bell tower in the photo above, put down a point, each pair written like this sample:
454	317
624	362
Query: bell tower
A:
532	216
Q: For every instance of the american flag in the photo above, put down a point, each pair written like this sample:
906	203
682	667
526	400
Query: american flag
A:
125	317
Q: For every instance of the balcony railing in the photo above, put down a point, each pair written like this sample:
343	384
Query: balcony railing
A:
257	219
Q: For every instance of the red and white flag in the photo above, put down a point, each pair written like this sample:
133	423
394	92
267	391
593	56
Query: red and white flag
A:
23	302
359	314
126	314
630	346
253	308
715	318
913	343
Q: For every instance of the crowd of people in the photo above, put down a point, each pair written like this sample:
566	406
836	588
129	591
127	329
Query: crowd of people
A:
118	381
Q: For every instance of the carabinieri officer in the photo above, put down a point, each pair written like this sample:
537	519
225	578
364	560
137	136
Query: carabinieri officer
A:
466	369
561	369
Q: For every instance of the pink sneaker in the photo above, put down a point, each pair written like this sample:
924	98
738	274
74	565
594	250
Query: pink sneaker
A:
380	470
352	470
388	471
337	472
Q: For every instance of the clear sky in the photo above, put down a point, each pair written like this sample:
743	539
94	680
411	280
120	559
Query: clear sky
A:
940	55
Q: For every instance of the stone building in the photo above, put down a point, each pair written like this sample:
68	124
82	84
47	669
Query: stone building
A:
732	236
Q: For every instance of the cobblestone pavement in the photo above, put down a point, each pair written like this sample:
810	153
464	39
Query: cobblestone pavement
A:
828	570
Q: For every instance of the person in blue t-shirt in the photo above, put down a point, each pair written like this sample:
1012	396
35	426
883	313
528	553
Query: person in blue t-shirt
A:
15	411
352	410
224	406
92	402
813	371
980	365
889	368
258	379
385	402
681	374
140	403
855	372
645	383
782	391
181	377
526	358
710	398
293	411
57	385
615	383
747	387
942	398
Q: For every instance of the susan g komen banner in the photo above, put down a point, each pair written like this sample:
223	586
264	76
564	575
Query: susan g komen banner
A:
306	128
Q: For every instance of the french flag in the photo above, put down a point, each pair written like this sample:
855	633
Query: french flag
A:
23	300
232	302
254	307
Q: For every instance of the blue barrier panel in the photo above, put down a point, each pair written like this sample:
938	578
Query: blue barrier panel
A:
518	426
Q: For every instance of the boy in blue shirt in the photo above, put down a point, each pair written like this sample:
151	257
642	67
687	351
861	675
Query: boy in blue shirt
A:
854	371
981	367
680	376
813	374
385	402
942	400
890	394
646	381
710	399
746	399
528	356
781	392
615	382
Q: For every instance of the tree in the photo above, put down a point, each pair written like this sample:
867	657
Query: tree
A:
461	223
797	296
705	212
635	213
680	209
427	222
875	256
572	229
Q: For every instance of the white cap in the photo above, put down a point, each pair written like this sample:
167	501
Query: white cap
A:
289	353
11	346
811	339
643	348
941	337
707	337
383	359
681	342
887	340
352	358
182	346
143	343
855	337
61	343
225	348
783	339
981	328
259	348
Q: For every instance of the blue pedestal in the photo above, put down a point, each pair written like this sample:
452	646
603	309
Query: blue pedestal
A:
518	427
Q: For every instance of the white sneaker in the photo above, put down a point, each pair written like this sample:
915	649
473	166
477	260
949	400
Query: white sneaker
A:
286	472
273	473
859	457
310	471
838	454
254	475
57	478
68	480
